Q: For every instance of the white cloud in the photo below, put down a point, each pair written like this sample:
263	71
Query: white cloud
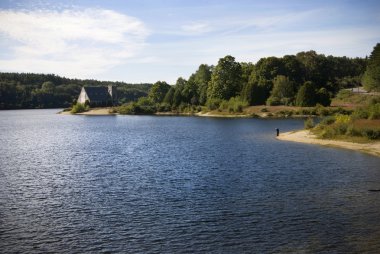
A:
195	28
80	43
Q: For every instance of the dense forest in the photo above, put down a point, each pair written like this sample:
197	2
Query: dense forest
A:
304	79
28	90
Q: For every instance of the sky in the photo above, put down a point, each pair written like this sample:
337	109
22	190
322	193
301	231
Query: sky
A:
139	41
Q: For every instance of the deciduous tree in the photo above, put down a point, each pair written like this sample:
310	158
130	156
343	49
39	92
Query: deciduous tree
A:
226	79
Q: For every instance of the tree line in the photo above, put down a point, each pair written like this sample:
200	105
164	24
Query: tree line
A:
29	90
304	79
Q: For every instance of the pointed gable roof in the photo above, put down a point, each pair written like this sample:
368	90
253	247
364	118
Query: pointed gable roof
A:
97	93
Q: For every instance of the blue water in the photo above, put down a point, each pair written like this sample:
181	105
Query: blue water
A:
143	184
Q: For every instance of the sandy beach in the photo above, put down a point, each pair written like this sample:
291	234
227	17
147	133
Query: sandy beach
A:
211	114
91	112
304	136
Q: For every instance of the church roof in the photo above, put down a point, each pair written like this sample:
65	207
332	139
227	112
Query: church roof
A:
97	93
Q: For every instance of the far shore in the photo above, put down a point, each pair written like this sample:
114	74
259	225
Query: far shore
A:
215	113
305	136
105	111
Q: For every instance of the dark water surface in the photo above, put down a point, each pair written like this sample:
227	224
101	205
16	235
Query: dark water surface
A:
179	184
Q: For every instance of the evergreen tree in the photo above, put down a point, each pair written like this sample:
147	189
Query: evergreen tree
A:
202	78
323	97
306	96
177	97
169	96
371	78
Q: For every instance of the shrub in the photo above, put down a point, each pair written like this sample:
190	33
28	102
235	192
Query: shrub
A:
308	111
343	111
273	101
374	111
346	125
342	119
213	103
321	110
309	123
327	132
223	105
285	113
366	128
344	94
112	110
127	109
360	113
328	120
236	104
143	106
79	108
164	107
233	105
183	107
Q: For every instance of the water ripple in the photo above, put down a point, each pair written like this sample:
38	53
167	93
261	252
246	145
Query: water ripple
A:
179	185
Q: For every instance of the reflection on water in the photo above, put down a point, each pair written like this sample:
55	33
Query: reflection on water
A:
179	184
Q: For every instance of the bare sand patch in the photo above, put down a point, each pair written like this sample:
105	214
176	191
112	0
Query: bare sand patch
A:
91	112
304	136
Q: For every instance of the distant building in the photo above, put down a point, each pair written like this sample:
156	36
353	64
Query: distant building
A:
99	96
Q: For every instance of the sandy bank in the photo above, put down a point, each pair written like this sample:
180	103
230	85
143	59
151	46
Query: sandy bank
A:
304	136
91	112
211	114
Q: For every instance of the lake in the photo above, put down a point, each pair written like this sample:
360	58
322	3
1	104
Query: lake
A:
145	184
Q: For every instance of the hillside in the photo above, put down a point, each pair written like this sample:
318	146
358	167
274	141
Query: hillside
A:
29	90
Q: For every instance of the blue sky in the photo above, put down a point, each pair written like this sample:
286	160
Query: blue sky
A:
146	41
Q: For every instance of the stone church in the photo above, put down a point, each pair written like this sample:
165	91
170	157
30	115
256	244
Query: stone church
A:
98	96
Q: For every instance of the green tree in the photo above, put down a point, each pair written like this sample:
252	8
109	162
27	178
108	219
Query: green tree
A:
169	96
256	92
190	92
306	96
201	79
177	97
158	91
283	91
246	72
225	79
323	97
371	78
270	67
317	67
48	87
293	69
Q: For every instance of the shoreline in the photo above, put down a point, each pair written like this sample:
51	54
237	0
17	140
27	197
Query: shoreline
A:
304	136
105	112
91	112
